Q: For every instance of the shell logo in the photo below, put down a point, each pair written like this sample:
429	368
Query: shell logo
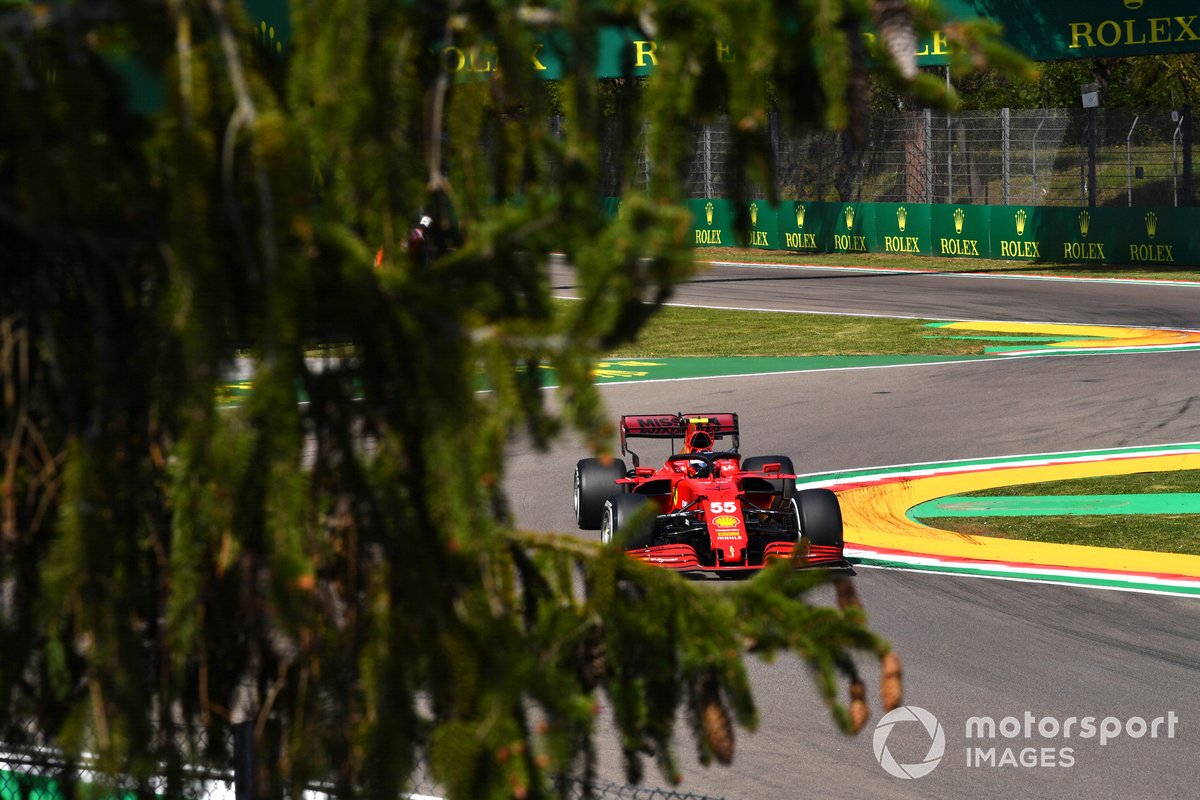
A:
725	521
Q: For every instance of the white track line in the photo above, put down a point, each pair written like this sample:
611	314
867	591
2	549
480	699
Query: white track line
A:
979	275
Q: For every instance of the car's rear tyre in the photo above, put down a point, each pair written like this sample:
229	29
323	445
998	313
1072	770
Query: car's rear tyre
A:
820	516
784	487
594	485
620	511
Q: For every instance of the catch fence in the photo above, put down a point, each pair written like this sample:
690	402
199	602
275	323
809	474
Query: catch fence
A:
1041	157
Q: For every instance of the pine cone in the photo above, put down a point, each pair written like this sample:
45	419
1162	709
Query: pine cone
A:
847	595
897	34
715	721
891	689
593	659
858	706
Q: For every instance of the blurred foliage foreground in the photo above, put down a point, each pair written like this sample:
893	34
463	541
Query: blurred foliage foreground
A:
347	569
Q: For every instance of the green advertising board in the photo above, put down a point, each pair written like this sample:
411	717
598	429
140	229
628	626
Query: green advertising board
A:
806	226
1085	235
1072	235
1166	237
1149	236
1045	31
16	785
901	229
1023	233
764	226
1163	237
712	222
1065	29
960	231
851	226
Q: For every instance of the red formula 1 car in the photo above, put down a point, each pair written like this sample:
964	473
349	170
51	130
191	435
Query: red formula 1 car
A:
713	512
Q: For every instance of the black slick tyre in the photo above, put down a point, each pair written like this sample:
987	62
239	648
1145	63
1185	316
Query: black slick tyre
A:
593	486
620	521
820	517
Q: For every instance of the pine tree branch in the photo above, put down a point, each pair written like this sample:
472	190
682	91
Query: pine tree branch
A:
26	20
245	113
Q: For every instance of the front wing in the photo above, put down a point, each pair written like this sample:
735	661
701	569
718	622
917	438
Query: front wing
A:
684	558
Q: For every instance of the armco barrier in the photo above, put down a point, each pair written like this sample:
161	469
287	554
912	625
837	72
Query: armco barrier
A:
1165	237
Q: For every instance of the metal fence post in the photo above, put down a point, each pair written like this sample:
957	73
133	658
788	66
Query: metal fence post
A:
846	180
1091	142
949	148
928	155
1033	187
707	144
248	783
949	159
243	760
1129	158
1083	172
1005	152
1188	196
773	121
1175	157
646	165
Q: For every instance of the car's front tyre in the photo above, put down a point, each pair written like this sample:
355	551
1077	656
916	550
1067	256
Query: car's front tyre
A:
594	483
622	519
820	517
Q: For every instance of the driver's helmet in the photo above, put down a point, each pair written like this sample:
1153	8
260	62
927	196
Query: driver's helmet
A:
700	441
699	468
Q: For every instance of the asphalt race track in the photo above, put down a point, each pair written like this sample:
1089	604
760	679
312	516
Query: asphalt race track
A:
937	295
971	647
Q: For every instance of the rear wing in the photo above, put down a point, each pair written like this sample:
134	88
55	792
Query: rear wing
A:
677	426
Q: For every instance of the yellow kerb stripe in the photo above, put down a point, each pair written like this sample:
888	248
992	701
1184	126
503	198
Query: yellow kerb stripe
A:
875	516
1107	336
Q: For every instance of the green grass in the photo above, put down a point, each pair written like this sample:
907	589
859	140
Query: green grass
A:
1165	533
972	265
710	332
1136	483
1162	533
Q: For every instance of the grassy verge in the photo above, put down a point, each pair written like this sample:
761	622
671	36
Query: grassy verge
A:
1162	533
972	265
1166	533
708	332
